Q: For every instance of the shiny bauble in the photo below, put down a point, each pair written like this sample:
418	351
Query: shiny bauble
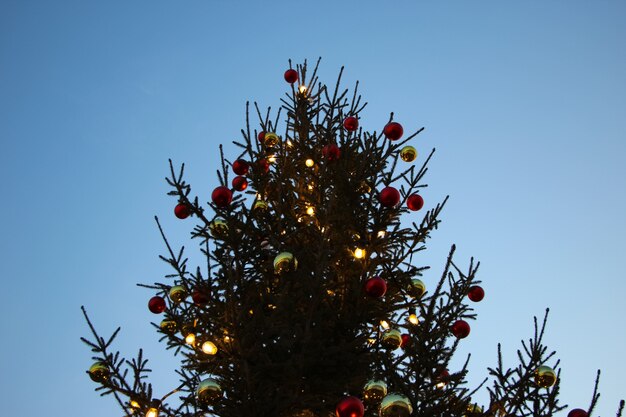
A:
168	325
577	412
99	372
374	391
389	197
199	297
408	153
406	341
417	288
218	228
240	183
182	211
156	304
262	166
222	196
291	76
393	131
285	262
460	329
475	293
375	287
331	152
351	123
545	376
415	202
261	136
350	407
209	392
271	140
241	167
395	405
391	339
177	293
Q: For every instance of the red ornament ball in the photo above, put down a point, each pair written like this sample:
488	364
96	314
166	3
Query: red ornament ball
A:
375	287
350	407
199	297
156	304
263	166
415	202
241	167
291	76
393	131
261	136
351	123
460	329
577	412
240	183
476	293
389	197
331	152
182	211
222	196
406	340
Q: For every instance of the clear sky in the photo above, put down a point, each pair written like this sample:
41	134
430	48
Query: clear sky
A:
525	102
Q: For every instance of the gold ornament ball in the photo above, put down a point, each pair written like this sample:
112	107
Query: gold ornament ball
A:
285	262
218	228
99	372
473	410
209	392
271	140
392	339
417	288
260	206
408	153
168	326
545	376
178	293
374	391
395	405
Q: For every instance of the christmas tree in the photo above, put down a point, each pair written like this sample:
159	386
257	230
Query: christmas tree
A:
312	301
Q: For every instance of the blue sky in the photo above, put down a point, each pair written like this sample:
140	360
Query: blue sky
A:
524	101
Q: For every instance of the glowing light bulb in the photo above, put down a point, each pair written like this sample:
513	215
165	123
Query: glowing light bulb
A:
384	324
271	159
190	339
289	143
381	234
209	348
413	319
310	210
152	412
371	341
359	253
134	404
302	89
310	187
309	162
440	385
227	339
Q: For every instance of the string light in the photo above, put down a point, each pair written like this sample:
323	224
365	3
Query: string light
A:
134	404
209	348
271	159
359	253
302	89
440	385
381	234
310	210
152	412
309	163
190	339
384	324
413	319
289	143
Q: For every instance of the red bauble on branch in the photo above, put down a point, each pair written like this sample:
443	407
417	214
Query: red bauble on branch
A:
291	76
350	407
182	211
460	329
241	167
577	412
415	202
331	152
375	287
240	183
262	166
389	197
351	123
222	196
156	304
475	293
261	136
393	131
406	340
199	297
